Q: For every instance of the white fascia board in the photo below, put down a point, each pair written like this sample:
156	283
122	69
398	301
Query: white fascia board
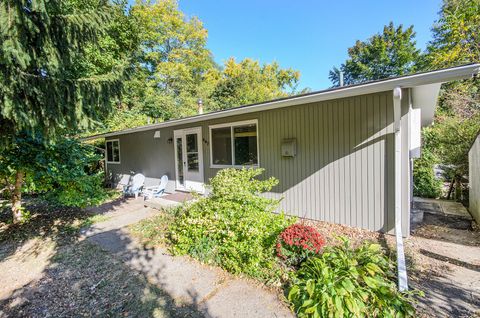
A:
425	97
440	76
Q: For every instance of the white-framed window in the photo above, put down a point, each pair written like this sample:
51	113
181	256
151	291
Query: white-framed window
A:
234	144
112	151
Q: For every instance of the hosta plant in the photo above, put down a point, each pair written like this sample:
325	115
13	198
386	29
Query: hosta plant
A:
346	282
298	242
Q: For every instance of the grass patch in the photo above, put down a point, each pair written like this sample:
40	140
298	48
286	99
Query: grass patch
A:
111	195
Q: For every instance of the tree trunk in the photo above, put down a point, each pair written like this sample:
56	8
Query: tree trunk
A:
450	189
458	189
17	197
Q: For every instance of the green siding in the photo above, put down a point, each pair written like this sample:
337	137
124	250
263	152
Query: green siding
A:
343	171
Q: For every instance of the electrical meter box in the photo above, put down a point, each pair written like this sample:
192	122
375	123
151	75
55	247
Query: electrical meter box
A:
289	147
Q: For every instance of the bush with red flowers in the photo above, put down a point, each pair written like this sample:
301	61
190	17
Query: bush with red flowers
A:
298	242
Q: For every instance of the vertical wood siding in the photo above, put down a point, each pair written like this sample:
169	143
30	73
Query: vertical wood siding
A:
343	170
474	171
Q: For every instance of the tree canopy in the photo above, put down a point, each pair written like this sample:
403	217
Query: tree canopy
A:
46	88
42	84
456	41
390	53
456	34
172	69
247	82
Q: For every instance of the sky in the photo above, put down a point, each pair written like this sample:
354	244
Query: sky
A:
307	35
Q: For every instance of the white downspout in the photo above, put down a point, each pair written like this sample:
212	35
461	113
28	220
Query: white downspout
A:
401	267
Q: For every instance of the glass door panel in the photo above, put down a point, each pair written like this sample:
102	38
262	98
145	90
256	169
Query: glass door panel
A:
193	163
179	161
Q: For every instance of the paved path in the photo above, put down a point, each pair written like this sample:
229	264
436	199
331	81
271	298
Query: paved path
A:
445	238
212	291
442	207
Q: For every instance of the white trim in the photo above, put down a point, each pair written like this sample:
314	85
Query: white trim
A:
439	76
106	151
232	139
401	265
181	133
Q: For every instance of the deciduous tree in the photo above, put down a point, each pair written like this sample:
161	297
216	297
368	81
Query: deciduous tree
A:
390	53
249	82
456	41
173	59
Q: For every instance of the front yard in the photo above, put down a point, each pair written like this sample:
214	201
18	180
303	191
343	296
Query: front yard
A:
54	267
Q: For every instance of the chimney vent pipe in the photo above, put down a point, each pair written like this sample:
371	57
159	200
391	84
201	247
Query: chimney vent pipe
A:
200	106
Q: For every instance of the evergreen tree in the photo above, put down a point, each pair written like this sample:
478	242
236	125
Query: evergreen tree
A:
41	85
43	89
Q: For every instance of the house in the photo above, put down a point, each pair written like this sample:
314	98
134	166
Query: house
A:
342	155
474	179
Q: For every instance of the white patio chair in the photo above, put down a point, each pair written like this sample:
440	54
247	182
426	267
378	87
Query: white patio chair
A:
155	191
136	186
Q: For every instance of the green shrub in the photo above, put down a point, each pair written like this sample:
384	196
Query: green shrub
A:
425	183
64	172
234	227
346	282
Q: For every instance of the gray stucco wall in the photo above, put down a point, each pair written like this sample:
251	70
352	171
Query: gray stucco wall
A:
474	179
343	171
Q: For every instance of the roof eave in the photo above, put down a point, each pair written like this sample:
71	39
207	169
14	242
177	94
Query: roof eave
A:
410	81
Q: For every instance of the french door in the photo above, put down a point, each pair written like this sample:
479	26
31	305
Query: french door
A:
189	160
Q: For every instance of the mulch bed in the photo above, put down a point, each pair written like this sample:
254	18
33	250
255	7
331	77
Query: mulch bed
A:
332	231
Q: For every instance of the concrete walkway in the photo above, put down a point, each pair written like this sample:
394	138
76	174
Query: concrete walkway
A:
210	290
442	207
446	244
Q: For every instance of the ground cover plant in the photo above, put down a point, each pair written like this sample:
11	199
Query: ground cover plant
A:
234	227
347	282
154	231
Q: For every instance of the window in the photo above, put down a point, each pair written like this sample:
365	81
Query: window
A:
113	151
234	144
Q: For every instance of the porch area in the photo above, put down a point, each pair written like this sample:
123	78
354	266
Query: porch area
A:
168	200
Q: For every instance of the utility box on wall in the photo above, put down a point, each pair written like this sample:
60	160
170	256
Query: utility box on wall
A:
289	147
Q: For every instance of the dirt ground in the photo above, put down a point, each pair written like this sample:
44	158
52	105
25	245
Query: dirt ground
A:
82	280
46	272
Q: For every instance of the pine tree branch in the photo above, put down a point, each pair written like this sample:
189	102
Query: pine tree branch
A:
95	78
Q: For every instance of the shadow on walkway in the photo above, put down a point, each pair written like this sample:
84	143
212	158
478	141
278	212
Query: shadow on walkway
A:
80	278
84	280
